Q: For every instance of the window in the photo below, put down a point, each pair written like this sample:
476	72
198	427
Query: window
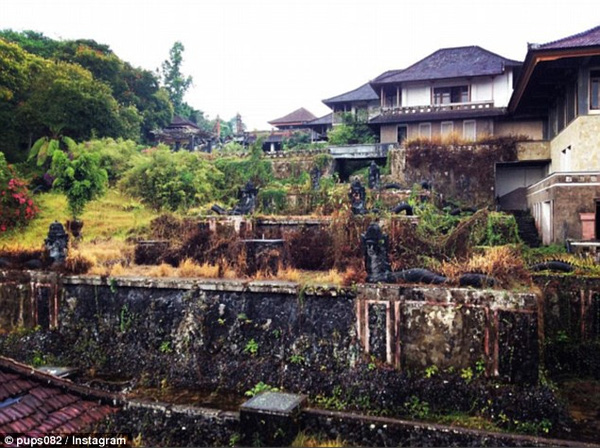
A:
595	89
449	95
402	133
447	128
469	130
391	98
425	130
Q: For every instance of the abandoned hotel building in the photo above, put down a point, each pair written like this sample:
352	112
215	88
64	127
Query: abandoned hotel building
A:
552	98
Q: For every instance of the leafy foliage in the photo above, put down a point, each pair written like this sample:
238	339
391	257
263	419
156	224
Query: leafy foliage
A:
173	80
172	181
79	88
115	156
80	178
351	131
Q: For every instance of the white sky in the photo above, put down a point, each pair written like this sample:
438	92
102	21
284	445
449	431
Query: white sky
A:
266	58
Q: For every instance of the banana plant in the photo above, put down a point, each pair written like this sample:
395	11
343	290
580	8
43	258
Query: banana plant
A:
44	148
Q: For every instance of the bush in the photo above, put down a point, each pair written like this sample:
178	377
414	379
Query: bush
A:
115	156
16	206
351	131
80	178
172	181
501	229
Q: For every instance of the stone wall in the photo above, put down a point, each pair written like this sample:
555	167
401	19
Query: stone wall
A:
571	324
231	334
465	173
566	195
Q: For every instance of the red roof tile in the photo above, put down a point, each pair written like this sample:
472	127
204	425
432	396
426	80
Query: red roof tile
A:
36	402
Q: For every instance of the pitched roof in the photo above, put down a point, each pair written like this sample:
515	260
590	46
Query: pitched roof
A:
180	121
34	402
587	38
362	93
325	119
450	63
299	116
582	45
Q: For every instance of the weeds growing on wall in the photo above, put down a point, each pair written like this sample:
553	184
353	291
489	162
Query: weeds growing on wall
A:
465	171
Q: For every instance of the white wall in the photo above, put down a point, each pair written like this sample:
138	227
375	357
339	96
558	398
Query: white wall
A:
496	88
482	89
418	95
503	89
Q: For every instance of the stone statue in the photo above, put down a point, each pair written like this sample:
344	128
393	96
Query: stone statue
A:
246	202
315	178
57	243
374	176
374	244
357	197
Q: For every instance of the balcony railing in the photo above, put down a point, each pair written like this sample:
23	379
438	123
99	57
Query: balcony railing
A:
474	105
362	151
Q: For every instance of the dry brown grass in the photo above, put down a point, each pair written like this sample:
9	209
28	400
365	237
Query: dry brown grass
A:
504	263
162	270
189	268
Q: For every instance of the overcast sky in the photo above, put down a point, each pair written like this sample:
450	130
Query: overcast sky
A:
266	58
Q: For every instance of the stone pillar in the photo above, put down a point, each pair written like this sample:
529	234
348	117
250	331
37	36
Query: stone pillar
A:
271	419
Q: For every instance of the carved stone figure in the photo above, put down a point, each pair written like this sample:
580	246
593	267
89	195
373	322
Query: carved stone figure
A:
57	243
374	176
357	197
374	243
247	201
315	178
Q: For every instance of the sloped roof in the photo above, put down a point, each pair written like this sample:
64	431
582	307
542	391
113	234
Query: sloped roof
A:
385	75
33	402
450	63
299	116
325	119
587	38
180	121
362	93
566	51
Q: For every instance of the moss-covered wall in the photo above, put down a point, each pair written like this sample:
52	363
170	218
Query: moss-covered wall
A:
571	324
232	335
461	172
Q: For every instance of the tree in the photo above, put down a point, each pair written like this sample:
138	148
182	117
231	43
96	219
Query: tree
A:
174	81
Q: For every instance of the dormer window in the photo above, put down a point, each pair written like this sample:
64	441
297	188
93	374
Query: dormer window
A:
449	95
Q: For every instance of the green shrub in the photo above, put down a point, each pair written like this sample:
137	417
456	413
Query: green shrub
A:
80	178
116	156
351	131
501	229
172	181
272	199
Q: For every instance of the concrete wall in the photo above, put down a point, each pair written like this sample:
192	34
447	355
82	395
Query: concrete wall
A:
119	325
389	132
581	142
557	201
534	129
